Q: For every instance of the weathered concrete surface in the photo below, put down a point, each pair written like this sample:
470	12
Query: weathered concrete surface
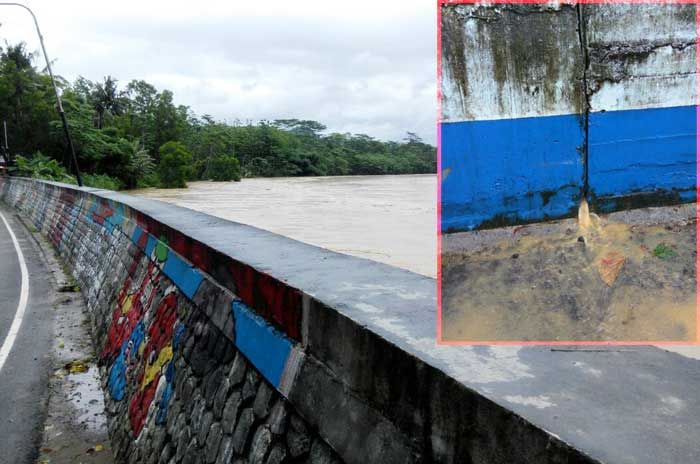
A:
25	375
641	87
510	61
371	372
640	55
512	106
543	104
630	279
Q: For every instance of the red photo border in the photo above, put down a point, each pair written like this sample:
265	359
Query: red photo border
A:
440	340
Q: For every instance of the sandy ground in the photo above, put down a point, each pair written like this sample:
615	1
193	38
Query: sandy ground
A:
629	276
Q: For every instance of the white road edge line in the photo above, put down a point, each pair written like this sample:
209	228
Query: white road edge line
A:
23	298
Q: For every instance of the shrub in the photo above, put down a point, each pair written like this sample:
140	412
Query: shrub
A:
41	166
224	168
175	165
102	181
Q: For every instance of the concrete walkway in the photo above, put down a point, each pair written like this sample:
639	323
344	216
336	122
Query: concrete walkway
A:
24	343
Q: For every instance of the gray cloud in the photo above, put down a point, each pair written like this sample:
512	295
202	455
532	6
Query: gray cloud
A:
361	67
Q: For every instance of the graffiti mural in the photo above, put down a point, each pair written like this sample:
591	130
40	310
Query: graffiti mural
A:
174	320
142	337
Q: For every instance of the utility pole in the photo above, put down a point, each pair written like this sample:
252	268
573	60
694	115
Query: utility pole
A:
5	148
61	113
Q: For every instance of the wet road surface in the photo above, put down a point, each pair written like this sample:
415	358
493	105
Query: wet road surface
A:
25	372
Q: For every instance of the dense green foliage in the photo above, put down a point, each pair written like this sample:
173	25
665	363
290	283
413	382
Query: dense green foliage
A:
223	168
135	135
41	166
175	165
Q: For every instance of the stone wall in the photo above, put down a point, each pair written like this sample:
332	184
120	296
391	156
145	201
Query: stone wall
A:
220	342
177	388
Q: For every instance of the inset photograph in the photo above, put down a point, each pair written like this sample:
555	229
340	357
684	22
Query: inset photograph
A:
567	157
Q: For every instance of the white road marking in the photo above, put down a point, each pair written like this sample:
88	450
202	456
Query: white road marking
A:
23	297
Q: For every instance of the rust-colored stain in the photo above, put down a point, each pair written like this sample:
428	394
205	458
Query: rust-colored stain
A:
610	265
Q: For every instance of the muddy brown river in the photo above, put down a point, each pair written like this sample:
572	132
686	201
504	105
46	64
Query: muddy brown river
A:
390	219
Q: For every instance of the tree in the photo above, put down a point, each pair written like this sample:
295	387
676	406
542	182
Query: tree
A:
412	138
175	165
26	100
169	121
304	128
140	166
224	168
105	99
40	166
120	135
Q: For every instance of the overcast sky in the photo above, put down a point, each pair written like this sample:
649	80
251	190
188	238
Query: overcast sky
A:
362	66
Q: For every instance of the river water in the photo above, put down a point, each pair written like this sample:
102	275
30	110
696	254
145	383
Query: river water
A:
390	219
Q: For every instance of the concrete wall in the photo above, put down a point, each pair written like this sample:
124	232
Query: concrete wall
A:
221	342
541	103
642	93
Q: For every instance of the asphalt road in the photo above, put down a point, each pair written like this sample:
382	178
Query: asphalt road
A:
26	368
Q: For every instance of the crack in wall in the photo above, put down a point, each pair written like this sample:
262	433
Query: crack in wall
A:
612	59
586	95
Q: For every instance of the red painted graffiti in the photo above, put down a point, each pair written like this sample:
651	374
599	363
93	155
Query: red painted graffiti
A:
269	297
103	212
138	408
123	322
200	256
178	242
160	334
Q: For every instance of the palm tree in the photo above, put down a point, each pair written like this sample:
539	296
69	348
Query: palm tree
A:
106	99
141	162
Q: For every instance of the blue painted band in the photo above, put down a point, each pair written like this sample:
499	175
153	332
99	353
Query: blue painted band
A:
637	151
264	346
136	235
186	277
513	170
530	169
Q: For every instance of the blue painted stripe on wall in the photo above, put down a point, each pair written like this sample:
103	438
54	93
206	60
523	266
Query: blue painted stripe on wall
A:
643	151
182	274
136	235
150	245
117	217
267	348
520	170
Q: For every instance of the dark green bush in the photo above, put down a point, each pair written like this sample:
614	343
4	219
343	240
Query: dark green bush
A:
224	168
175	165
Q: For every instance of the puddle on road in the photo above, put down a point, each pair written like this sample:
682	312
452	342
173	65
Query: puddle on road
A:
85	394
76	428
595	279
